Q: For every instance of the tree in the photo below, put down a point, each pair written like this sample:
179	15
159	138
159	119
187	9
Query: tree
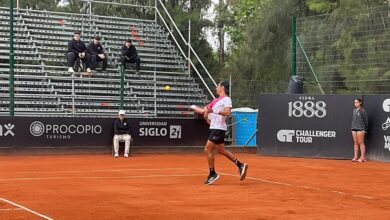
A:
260	55
49	5
221	19
182	13
350	45
240	12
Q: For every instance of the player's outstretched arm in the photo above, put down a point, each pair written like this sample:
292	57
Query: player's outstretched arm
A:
199	110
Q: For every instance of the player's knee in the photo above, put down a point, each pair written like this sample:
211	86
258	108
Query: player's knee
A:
221	151
116	138
127	138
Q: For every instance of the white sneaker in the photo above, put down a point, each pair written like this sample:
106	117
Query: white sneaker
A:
89	70
126	155
116	155
71	70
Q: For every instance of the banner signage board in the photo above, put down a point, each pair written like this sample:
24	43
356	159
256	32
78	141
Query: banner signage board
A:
320	125
304	125
76	132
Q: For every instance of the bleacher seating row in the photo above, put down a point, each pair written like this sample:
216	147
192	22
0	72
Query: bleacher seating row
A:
44	87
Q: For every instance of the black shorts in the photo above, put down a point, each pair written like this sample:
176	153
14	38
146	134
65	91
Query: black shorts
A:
357	129
217	136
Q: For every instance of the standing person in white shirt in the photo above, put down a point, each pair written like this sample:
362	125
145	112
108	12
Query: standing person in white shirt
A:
218	110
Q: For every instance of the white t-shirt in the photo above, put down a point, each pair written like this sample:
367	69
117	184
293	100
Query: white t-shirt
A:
217	105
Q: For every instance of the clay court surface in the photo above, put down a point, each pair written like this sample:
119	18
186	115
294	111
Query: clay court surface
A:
171	186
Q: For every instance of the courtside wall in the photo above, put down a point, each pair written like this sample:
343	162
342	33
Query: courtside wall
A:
74	132
319	125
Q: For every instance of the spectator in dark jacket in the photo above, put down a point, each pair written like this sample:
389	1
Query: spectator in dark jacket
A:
130	55
96	53
121	133
76	49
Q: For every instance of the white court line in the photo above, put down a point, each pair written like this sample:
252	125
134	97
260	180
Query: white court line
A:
363	196
27	209
92	171
103	177
298	186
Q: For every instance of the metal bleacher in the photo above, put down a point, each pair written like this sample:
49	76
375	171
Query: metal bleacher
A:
43	87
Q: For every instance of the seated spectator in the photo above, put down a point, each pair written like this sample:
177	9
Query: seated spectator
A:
121	133
76	49
96	53
130	55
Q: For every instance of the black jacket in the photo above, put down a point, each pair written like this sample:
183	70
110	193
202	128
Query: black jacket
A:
76	46
121	127
130	52
359	119
95	49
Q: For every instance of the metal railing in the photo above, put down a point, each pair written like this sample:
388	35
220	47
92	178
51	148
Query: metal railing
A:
159	14
186	43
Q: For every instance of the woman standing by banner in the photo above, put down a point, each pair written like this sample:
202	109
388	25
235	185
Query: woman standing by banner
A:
359	127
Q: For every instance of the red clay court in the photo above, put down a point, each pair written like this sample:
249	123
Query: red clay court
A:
170	186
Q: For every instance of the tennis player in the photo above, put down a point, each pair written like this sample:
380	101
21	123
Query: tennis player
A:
217	111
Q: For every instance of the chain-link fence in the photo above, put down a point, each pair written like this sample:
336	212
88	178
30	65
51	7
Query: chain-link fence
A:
349	51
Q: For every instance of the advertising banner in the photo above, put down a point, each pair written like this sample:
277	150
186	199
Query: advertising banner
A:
378	135
77	132
305	125
320	125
